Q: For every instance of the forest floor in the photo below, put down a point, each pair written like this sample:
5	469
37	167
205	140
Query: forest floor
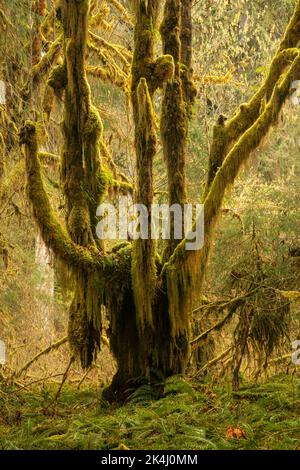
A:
189	417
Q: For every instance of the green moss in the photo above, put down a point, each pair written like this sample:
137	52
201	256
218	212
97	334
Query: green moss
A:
189	416
247	113
164	70
174	119
144	252
58	78
54	235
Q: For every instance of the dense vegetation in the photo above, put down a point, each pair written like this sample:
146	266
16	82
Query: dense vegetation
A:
163	102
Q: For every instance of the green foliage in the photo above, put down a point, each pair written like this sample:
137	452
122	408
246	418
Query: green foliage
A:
191	419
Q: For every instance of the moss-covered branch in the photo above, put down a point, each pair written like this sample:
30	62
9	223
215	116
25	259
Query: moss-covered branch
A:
186	40
174	123
225	134
109	74
120	53
143	265
122	10
40	70
196	342
185	269
144	65
81	163
291	36
40	11
52	347
54	234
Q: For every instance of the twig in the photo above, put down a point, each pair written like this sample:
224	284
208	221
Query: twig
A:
224	303
65	376
195	342
213	361
84	377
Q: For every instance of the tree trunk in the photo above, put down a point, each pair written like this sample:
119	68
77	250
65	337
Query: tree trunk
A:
148	342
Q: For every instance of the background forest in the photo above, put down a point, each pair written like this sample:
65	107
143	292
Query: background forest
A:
239	387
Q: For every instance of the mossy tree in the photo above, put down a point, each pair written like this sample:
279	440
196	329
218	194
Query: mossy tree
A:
148	301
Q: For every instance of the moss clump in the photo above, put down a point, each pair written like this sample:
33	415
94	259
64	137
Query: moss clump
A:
58	79
164	70
93	128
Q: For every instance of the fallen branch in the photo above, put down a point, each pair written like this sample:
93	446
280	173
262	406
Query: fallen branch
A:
50	348
65	376
196	342
214	361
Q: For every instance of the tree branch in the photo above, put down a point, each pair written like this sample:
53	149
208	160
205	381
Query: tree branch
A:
50	348
225	134
53	233
185	269
217	326
44	65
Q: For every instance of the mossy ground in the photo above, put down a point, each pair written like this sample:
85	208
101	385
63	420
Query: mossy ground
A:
187	418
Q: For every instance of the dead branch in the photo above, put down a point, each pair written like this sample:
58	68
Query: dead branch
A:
50	348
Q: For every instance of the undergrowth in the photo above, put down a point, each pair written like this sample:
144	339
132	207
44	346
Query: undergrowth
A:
188	417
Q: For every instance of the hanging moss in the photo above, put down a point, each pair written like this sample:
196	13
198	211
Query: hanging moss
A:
247	113
185	270
85	319
143	265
